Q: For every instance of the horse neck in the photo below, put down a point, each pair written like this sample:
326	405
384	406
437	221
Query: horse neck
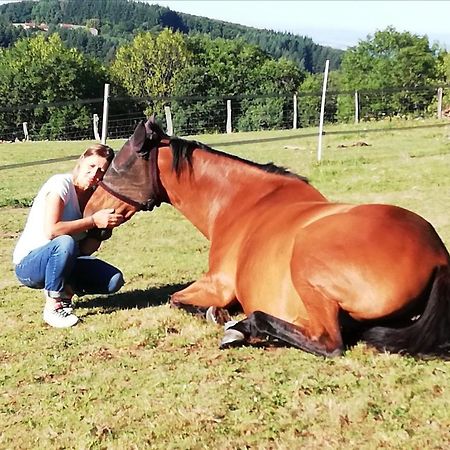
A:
221	186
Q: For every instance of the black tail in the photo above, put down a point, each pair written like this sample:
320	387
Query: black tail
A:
427	336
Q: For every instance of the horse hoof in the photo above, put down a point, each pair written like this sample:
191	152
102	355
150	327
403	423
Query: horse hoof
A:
231	337
229	324
211	314
173	303
216	315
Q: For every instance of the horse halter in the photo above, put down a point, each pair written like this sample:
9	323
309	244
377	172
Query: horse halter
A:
158	193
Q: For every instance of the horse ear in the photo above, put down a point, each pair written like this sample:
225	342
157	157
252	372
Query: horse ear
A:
154	131
137	140
150	125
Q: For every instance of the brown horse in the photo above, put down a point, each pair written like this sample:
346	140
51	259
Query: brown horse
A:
305	271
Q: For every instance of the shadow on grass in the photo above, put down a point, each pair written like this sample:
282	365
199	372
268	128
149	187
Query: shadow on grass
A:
156	296
139	298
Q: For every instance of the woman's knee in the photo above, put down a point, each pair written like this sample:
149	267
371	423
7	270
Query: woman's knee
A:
116	282
66	244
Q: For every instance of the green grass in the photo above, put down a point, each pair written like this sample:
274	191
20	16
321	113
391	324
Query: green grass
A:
137	374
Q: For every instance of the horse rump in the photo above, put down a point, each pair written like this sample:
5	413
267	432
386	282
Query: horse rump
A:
429	335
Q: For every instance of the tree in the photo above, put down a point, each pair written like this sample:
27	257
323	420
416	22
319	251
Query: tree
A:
42	70
10	34
275	82
123	19
310	98
398	66
149	65
222	69
444	67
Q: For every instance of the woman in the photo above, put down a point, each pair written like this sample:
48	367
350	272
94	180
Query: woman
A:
52	251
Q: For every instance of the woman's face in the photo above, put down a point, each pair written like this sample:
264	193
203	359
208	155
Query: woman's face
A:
90	171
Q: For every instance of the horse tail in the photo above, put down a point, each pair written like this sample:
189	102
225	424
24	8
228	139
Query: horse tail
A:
429	335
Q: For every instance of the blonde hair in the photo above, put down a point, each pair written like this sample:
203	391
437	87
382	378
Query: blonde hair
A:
98	150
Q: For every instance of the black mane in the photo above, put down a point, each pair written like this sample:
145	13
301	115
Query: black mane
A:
182	150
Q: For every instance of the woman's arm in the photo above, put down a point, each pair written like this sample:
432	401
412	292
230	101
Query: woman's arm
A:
54	226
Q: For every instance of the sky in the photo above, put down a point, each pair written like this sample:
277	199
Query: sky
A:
337	23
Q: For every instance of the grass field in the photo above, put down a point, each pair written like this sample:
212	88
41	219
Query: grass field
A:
137	374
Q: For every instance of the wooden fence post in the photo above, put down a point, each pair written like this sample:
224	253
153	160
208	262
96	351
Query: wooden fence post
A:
25	131
228	124
294	121
439	107
169	122
322	110
356	107
95	121
105	114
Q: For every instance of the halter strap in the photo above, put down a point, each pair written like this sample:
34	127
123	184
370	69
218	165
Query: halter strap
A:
159	193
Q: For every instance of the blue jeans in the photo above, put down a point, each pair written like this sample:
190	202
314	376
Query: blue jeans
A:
58	263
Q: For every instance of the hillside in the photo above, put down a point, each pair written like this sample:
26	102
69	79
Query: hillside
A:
118	20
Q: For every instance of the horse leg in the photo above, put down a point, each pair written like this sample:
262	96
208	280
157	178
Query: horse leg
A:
261	324
213	314
323	325
207	297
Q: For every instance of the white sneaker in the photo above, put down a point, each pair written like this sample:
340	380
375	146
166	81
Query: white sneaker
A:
65	300
67	305
59	318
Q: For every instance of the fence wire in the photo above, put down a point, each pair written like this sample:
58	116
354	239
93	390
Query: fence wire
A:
199	115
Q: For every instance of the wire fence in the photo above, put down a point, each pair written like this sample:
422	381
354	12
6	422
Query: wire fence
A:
77	120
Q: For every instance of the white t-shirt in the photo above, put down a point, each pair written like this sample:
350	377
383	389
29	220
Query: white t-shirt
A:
33	235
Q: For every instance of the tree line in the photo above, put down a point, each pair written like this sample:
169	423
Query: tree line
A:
120	20
168	66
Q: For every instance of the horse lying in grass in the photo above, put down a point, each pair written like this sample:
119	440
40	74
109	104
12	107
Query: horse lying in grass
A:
305	271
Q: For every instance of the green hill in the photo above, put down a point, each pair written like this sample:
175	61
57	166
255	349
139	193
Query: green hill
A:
117	21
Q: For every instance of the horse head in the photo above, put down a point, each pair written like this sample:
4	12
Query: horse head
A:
132	182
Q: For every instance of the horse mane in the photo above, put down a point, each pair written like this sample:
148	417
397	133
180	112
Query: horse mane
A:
182	150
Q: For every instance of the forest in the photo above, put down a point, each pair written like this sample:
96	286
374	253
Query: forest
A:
118	21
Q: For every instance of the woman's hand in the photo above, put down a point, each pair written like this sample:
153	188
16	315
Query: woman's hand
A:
107	218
